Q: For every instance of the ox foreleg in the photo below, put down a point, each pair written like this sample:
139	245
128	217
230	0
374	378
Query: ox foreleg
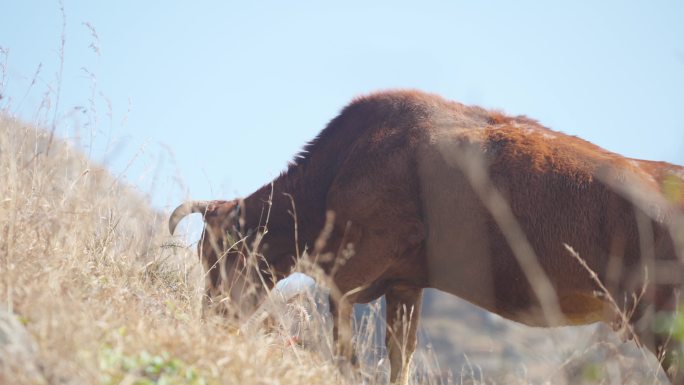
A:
341	311
402	312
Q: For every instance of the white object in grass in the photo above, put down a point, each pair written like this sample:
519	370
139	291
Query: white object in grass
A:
295	283
284	290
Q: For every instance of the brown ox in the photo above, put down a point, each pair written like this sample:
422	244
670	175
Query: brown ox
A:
432	193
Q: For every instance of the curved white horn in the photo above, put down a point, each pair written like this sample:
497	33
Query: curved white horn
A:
186	208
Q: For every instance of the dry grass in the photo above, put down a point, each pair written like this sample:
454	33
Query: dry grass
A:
87	269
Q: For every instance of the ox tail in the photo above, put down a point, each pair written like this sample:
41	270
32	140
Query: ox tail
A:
185	209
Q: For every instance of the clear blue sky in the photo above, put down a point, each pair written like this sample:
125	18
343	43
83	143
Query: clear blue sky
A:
222	94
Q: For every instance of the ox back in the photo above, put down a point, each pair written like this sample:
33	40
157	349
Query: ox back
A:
561	190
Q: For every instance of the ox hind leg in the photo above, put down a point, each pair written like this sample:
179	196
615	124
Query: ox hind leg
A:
654	325
669	352
659	338
666	348
403	313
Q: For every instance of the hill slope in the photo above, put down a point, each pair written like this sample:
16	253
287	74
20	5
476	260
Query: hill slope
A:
87	269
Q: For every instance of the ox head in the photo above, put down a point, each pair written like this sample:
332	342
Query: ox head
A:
232	273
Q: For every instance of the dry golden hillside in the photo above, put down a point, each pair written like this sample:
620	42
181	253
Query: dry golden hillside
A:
94	290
